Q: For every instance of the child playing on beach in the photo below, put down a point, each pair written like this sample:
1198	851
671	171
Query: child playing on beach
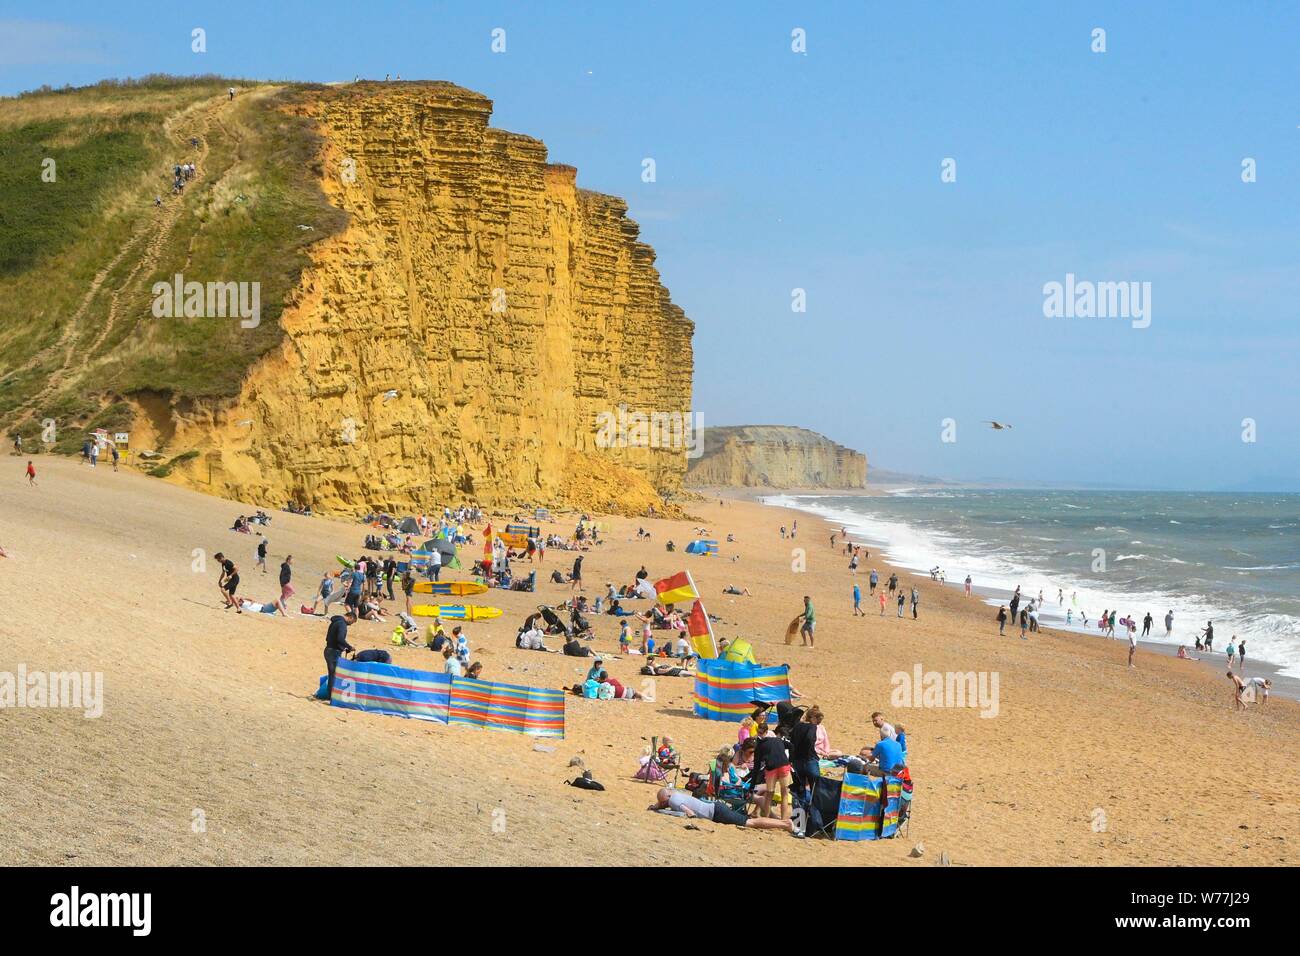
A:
31	474
882	603
624	637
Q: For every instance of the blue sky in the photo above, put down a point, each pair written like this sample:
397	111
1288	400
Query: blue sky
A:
779	170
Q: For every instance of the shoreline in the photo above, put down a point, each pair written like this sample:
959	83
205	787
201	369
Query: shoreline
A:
1284	685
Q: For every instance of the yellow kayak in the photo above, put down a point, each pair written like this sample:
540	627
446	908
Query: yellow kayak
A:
457	588
456	612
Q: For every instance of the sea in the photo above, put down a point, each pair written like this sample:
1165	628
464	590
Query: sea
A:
1233	559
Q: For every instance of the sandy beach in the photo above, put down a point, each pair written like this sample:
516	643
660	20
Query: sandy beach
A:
210	750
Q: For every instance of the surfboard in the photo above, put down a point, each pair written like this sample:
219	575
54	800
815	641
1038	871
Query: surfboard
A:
344	561
456	612
458	588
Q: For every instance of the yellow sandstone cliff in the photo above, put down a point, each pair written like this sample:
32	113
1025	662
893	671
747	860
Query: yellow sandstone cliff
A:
505	307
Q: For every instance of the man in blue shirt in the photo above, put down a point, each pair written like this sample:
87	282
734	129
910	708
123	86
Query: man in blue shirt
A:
887	754
857	602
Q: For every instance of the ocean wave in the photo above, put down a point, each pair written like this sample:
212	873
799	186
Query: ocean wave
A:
998	567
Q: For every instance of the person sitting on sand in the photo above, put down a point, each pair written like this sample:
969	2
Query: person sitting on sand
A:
1183	655
620	692
575	648
717	811
451	663
530	640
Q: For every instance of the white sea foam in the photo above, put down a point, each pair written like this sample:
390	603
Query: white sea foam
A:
1271	637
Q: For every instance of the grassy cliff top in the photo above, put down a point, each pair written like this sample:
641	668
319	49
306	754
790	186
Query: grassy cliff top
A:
82	242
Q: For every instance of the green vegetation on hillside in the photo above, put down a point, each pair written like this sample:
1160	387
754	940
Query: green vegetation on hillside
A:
79	256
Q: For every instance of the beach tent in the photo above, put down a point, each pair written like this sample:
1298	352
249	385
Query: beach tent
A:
725	690
702	546
408	525
541	514
740	651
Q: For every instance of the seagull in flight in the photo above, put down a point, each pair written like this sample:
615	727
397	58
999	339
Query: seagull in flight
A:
997	426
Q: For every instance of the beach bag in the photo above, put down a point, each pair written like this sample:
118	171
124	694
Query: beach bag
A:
605	691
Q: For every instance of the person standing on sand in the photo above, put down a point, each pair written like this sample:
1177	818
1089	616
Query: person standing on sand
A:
857	602
902	599
893	583
853	564
576	577
336	644
31	474
1238	685
809	617
1015	605
323	592
261	553
228	584
94	454
1132	643
968	585
1241	656
1002	620
874	580
882	602
1231	649
286	575
916	599
115	453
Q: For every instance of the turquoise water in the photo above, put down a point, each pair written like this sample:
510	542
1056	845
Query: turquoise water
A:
1230	558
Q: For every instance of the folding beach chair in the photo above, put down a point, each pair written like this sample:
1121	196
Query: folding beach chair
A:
656	770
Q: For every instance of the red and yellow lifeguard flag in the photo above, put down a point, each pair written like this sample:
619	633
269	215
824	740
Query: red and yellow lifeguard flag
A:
701	632
487	541
679	587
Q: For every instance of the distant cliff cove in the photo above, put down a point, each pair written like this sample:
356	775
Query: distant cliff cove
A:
775	456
